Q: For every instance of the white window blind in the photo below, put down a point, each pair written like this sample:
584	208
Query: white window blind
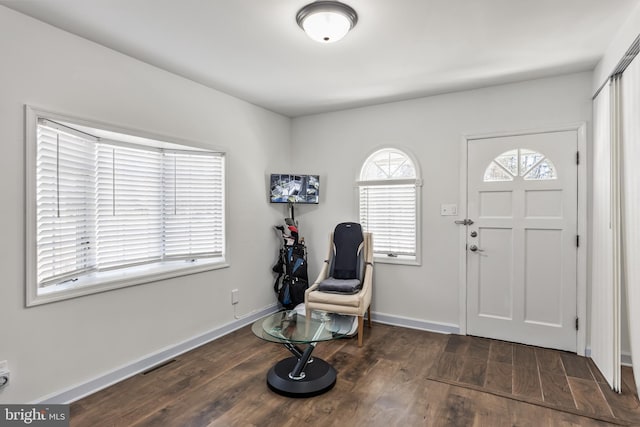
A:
389	212
193	205
388	203
65	207
129	206
105	205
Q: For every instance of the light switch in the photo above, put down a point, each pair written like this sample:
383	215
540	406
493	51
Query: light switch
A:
448	210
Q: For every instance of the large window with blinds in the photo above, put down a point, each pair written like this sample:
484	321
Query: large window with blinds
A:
389	205
107	210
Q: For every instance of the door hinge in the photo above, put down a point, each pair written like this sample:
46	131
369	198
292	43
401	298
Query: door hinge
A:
577	240
577	323
577	157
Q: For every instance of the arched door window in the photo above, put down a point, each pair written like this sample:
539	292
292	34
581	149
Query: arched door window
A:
521	162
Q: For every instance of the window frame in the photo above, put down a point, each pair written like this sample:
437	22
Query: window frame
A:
96	282
400	259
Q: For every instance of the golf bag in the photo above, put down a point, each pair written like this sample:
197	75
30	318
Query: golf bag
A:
292	280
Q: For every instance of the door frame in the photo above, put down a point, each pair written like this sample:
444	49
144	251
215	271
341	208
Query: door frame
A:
581	268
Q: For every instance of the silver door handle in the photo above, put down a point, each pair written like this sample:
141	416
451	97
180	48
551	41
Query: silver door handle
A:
474	248
466	221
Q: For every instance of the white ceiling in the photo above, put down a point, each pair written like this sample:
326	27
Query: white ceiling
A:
400	49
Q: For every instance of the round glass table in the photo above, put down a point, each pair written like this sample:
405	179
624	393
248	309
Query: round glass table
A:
300	375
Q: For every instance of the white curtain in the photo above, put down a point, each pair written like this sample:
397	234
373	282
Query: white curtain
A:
605	298
616	222
630	154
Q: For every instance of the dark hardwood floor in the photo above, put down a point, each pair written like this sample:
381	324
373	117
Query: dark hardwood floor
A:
555	379
385	383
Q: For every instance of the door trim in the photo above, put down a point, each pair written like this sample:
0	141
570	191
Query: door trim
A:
581	268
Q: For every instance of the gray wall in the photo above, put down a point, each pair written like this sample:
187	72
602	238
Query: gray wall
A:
56	346
336	144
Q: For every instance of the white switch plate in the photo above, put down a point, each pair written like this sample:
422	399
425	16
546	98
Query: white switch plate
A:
448	210
235	297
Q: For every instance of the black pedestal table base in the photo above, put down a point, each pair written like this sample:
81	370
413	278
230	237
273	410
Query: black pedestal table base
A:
318	377
301	375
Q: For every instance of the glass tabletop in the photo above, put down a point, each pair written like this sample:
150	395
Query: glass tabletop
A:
293	327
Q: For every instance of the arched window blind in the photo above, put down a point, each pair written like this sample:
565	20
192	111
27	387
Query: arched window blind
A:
388	196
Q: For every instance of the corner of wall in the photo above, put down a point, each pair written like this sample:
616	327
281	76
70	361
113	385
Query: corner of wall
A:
616	50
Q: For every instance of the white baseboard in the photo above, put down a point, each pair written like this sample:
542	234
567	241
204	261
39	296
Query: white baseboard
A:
81	390
625	357
407	322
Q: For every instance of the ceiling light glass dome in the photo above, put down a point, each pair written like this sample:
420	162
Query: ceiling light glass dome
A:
327	21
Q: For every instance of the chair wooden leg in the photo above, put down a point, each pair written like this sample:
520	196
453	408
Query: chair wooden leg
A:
369	316
360	330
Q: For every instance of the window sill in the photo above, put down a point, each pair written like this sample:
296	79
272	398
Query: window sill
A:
400	259
115	279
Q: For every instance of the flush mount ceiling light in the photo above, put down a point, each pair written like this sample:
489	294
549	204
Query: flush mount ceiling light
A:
327	21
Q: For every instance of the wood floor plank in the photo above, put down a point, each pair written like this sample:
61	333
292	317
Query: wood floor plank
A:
524	356
501	352
110	399
457	410
426	403
457	344
449	366
526	382
474	371
427	347
595	371
499	377
628	380
349	367
492	411
556	390
478	348
391	405
386	401
589	397
549	361
576	366
396	346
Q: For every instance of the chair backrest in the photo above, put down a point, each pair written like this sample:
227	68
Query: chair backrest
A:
347	261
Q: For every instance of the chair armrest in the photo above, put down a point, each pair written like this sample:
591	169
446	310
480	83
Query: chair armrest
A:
312	288
324	273
368	276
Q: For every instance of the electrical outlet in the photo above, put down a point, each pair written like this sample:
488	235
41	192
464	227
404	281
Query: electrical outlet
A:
4	374
235	297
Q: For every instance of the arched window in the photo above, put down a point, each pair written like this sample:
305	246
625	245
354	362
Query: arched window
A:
388	205
522	162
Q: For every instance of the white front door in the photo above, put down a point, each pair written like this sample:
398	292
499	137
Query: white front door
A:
522	248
